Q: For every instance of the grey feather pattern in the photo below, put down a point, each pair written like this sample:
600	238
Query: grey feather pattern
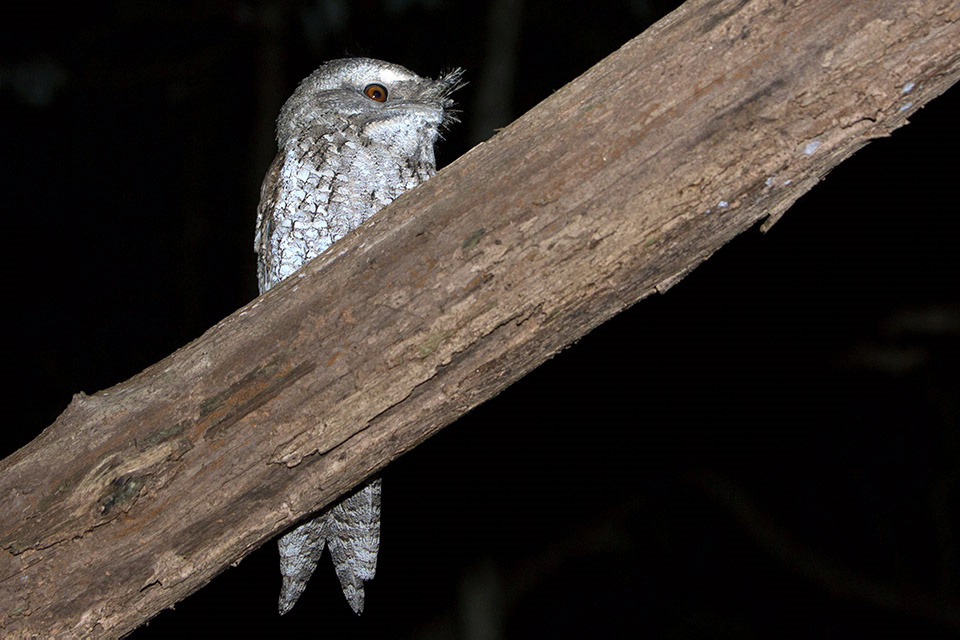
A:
343	155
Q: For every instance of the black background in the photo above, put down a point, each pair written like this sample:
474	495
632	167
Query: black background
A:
769	449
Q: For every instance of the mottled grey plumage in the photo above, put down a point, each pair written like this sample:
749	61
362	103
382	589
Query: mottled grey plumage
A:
353	136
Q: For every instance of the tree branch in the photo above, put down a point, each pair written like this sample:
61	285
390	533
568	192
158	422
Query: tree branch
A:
829	574
720	115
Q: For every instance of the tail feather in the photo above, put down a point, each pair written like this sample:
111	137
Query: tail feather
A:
352	529
300	551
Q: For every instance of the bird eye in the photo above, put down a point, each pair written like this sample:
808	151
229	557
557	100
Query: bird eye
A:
376	92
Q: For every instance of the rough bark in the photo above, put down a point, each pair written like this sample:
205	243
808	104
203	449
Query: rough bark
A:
720	115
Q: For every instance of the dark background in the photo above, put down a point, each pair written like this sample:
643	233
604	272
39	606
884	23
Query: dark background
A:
768	450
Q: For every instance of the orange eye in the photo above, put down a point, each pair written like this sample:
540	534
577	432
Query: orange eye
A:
376	92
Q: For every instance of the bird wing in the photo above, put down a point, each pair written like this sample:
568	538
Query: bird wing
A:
265	213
